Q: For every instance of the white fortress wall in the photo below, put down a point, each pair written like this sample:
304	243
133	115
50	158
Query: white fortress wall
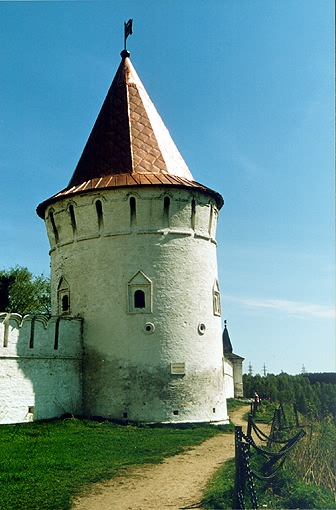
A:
228	379
40	367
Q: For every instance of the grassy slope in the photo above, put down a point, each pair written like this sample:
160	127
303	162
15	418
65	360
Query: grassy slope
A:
43	465
286	491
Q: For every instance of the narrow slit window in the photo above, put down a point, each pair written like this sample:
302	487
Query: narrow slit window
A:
166	211
99	209
32	333
216	299
65	303
193	214
53	225
72	219
56	339
210	219
132	211
139	299
63	295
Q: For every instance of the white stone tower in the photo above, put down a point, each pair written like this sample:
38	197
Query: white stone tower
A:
133	252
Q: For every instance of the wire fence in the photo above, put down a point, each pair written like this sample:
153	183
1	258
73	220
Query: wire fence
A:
274	456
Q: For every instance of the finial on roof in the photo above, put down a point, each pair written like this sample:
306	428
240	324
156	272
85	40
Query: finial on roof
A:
225	323
124	54
128	30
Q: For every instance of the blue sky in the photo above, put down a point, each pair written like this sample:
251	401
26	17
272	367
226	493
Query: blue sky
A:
246	88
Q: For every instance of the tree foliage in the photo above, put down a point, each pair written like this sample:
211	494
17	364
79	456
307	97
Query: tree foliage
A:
312	396
22	292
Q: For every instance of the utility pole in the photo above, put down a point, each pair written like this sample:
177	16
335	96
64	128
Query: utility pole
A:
264	370
250	369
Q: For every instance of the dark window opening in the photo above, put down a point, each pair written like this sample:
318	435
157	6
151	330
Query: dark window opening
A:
72	219
125	415
65	303
193	214
56	333
53	224
175	412
213	409
139	299
32	332
166	207
99	209
132	211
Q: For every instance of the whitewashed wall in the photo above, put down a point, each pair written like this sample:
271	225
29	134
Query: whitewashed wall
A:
40	367
127	371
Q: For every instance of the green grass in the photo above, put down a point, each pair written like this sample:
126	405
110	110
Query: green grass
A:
265	411
219	491
44	465
287	491
235	403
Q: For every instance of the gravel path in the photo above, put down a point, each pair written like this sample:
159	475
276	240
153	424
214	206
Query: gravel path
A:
176	483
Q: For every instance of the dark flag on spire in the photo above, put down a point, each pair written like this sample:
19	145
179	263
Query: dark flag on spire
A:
128	29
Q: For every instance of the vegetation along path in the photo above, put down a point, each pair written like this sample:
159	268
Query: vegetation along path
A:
177	483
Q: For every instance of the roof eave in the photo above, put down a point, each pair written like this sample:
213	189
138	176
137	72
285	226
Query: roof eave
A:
84	188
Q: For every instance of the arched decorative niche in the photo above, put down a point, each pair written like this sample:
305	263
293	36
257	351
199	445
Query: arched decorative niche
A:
133	212
216	299
193	214
166	210
51	215
139	290
211	218
71	209
63	297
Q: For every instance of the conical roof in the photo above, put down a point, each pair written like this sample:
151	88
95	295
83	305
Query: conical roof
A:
129	144
227	345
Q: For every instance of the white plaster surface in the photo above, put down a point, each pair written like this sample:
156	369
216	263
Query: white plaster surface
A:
228	379
126	371
38	381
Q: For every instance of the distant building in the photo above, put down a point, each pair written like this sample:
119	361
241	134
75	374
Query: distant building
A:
233	368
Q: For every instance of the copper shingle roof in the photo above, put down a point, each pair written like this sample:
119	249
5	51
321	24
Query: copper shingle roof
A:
129	145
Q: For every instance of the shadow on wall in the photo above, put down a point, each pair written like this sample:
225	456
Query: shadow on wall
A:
40	367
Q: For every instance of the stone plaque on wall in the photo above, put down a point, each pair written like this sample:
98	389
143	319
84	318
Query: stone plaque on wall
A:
177	368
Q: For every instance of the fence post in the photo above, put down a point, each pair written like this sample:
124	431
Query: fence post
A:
246	475
255	407
249	425
275	425
238	462
283	413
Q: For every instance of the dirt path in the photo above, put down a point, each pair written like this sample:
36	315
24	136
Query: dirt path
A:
178	482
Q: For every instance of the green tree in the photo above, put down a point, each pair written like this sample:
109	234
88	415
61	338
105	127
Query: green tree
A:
22	292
